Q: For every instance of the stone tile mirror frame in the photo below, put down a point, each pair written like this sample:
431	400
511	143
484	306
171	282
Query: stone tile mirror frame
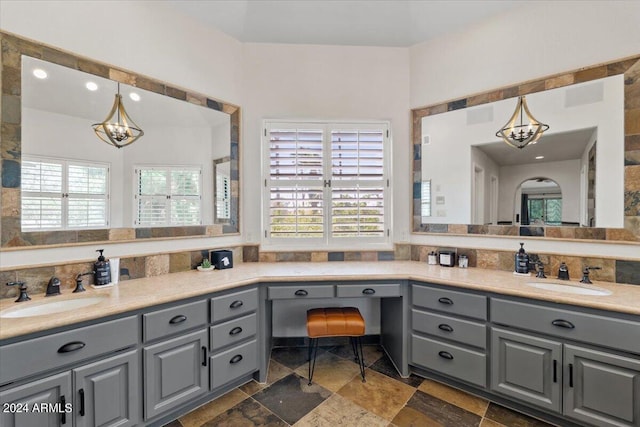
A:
630	67
13	48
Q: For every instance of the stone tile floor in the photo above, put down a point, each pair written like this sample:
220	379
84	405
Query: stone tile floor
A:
338	397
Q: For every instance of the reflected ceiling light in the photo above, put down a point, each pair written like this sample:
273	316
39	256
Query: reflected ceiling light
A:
539	157
118	129
40	73
522	128
134	96
91	86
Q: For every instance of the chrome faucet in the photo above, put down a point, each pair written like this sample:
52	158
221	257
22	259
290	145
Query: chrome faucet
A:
53	287
585	274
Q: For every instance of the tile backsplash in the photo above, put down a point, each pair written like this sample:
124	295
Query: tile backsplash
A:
37	277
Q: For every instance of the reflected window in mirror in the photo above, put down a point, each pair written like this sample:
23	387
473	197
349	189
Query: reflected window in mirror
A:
61	194
541	202
168	196
222	188
425	205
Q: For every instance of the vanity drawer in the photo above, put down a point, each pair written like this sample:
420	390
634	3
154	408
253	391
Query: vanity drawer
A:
29	357
591	328
364	290
233	363
462	331
233	331
302	291
451	360
170	321
452	302
235	304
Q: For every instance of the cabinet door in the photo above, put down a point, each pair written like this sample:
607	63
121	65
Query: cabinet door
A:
107	392
175	372
601	388
527	368
42	403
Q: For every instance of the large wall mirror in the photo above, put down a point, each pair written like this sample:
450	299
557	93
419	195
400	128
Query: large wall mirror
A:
466	180
63	185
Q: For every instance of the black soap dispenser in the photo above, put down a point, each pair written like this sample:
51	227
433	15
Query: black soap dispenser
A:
522	261
102	270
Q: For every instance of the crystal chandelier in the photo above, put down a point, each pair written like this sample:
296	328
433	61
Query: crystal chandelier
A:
118	129
522	128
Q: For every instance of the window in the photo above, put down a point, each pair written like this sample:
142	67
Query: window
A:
168	195
326	183
425	201
545	210
64	194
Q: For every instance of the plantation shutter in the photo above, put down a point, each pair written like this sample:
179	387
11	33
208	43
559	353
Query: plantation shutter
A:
64	194
168	196
425	203
325	181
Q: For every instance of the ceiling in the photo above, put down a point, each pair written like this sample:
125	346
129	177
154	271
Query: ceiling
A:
554	147
64	92
399	23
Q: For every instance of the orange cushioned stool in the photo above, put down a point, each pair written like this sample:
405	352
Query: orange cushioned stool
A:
335	322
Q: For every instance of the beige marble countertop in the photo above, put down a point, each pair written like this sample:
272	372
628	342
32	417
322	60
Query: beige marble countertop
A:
140	293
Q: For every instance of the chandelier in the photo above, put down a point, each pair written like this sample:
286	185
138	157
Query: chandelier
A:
118	129
522	128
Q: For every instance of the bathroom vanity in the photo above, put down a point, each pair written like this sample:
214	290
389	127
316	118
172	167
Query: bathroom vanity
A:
155	348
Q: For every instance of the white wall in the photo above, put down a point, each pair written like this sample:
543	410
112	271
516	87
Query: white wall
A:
540	39
325	82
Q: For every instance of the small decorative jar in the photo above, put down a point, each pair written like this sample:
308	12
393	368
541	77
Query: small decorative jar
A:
463	261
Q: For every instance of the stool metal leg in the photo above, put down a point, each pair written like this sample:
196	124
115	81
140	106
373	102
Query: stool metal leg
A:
356	345
313	348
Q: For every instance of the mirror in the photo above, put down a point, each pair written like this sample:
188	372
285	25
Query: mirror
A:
183	130
539	202
476	179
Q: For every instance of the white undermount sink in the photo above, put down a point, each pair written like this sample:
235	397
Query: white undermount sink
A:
569	288
49	307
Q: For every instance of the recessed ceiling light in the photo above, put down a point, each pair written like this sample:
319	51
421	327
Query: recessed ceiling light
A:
92	86
134	96
539	157
40	73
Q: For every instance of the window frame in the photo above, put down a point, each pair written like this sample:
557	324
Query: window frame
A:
167	198
64	196
327	241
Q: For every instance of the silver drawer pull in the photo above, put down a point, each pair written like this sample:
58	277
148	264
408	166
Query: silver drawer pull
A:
445	327
445	355
235	359
445	300
72	346
369	291
301	293
236	304
178	319
235	331
563	323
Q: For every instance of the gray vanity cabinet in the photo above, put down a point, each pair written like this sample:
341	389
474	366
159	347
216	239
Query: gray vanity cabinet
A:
589	383
175	372
527	368
601	388
449	333
107	392
41	403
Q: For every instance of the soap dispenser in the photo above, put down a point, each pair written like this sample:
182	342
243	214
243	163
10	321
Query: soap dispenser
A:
522	261
102	270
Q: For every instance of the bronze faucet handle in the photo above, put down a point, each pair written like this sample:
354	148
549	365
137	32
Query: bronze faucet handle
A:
585	274
23	291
